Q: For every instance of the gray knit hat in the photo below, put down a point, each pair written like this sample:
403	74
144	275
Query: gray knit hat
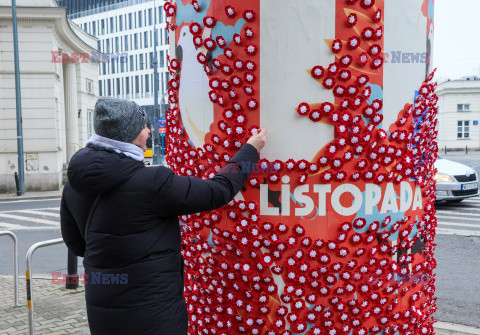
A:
118	119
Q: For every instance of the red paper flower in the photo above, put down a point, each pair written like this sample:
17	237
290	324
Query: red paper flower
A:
352	20
303	109
197	41
329	83
345	61
377	63
251	49
196	6
226	69
315	115
209	21
250	77
377	16
367	3
228	53
337	46
209	44
317	72
374	50
221	42
353	42
249	15
362	80
367	33
249	33
195	28
249	90
230	11
252	104
333	69
362	59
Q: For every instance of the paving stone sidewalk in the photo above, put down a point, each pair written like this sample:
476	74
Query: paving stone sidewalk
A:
58	311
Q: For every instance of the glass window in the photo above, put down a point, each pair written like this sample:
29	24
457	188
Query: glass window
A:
120	22
100	92
145	38
150	16
112	25
131	63
463	107
137	86
126	42
160	14
94	28
117	45
141	61
89	86
127	85
89	122
118	87
135	41
147	86
102	24
463	129
130	21
140	18
109	85
162	58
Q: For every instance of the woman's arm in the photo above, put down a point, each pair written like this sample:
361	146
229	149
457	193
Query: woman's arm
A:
178	195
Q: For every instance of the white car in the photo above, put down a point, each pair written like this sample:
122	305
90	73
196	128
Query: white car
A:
455	181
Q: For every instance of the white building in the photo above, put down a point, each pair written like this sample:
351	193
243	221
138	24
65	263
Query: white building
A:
459	114
125	33
58	97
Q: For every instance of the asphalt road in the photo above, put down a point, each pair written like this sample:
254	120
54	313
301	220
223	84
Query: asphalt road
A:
457	273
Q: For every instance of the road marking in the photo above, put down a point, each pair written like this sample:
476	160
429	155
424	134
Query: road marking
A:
31	200
24	218
445	231
471	200
11	226
460	217
28	211
35	209
443	223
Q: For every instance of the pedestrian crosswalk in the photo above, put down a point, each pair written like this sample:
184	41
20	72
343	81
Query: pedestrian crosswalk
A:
31	219
461	219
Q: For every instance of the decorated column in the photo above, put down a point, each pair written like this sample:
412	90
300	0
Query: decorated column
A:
333	232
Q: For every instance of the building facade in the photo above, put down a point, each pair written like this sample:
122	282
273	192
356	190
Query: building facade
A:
59	88
125	35
459	114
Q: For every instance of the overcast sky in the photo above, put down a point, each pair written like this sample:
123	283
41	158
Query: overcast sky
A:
456	50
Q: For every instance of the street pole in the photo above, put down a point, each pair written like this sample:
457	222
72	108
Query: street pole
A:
18	97
156	135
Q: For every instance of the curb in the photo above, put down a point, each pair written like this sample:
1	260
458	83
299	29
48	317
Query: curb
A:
447	328
39	197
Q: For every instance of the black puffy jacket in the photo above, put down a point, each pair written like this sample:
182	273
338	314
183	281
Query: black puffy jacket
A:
132	250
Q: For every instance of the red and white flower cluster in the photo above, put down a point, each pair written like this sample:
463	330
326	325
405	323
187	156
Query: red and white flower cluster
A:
248	275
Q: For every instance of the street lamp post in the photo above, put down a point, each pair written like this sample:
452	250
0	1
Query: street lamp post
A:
18	97
156	135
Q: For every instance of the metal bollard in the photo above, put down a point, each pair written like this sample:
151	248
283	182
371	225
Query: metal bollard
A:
31	250
15	264
72	277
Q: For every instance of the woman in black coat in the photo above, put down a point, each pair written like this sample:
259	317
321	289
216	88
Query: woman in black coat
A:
131	246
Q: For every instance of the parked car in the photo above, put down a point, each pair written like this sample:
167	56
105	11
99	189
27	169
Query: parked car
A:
455	181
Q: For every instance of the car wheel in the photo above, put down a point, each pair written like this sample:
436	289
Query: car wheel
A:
455	201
